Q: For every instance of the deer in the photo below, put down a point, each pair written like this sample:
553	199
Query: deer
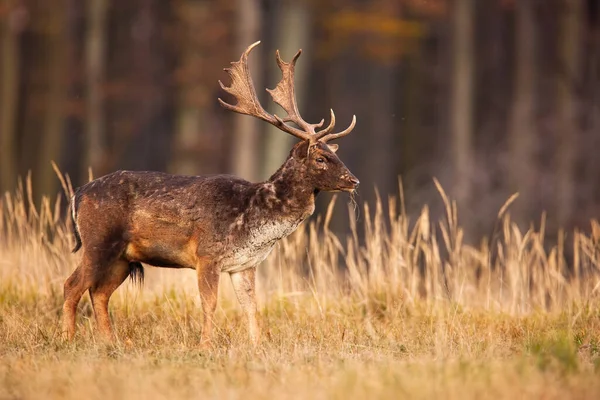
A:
213	224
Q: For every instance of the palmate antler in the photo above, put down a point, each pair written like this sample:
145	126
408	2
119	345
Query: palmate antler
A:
243	90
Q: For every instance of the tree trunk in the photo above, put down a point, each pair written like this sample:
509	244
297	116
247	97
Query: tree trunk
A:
292	33
567	108
95	59
461	108
35	54
410	94
11	28
378	167
191	96
55	101
245	135
522	130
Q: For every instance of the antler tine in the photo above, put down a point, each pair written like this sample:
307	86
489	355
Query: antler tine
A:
346	131
242	88
284	95
329	128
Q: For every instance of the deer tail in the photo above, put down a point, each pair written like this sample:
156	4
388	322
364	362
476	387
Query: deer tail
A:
136	272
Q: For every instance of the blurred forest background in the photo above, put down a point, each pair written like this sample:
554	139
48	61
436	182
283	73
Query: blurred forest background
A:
489	96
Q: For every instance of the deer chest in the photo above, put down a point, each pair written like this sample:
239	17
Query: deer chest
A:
250	245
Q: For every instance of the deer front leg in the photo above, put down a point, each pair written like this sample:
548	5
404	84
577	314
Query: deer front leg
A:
208	285
244	283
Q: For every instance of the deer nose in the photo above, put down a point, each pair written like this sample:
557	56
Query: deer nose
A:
354	181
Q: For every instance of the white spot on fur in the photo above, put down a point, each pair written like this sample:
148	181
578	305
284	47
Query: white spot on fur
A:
239	221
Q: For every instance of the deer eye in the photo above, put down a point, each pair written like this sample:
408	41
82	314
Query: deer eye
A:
320	160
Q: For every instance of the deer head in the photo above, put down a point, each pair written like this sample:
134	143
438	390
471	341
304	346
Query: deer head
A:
313	159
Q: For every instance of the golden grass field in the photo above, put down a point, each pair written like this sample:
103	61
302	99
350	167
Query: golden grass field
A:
416	314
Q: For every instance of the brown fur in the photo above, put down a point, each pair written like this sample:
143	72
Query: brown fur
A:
212	224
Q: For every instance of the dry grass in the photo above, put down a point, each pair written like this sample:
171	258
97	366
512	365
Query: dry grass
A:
416	314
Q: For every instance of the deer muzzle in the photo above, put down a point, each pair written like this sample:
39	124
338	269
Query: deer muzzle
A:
350	183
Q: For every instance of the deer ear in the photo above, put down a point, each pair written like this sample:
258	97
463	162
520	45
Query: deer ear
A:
333	147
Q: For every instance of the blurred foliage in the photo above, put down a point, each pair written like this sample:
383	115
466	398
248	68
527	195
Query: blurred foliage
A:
112	84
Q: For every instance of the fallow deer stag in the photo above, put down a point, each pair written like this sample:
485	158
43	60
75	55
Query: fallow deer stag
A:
212	224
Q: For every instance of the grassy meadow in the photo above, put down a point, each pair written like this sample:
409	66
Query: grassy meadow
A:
416	314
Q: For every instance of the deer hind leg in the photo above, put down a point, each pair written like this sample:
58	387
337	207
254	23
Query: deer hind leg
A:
244	284
105	283
208	285
75	286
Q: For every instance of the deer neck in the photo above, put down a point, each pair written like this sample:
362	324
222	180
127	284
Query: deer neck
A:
292	190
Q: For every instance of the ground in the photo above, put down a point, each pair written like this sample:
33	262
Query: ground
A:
308	351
